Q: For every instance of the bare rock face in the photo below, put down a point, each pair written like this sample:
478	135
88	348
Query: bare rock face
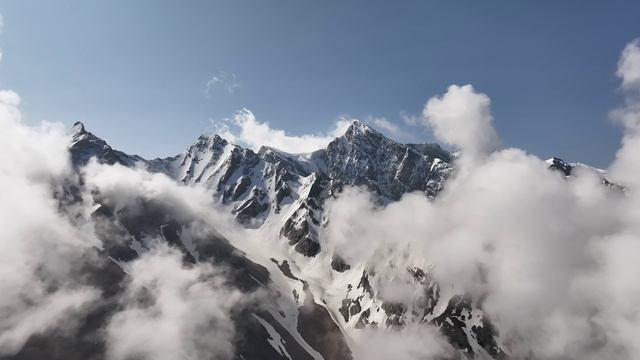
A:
364	157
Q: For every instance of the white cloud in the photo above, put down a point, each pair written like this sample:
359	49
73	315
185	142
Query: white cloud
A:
122	186
228	82
172	312
41	248
629	115
462	118
629	66
385	125
414	342
246	130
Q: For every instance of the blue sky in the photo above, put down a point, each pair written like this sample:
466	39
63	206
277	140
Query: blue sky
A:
136	71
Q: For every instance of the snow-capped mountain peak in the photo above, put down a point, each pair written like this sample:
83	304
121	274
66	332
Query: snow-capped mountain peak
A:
270	183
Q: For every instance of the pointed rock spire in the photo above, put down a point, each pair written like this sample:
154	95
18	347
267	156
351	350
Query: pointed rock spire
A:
78	128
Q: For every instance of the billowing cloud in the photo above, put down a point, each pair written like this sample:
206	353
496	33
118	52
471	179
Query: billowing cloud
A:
122	186
48	242
627	165
41	249
462	118
244	129
629	66
171	311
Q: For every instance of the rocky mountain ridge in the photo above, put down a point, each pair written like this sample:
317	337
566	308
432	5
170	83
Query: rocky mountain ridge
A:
292	188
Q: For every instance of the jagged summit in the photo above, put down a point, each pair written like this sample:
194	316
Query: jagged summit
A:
357	128
78	128
85	145
210	136
560	165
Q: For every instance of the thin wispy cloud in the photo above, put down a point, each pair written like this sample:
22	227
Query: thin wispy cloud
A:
409	119
222	81
390	128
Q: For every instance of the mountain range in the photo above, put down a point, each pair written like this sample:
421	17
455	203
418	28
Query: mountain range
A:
317	300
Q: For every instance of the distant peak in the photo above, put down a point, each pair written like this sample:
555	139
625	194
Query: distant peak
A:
78	128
